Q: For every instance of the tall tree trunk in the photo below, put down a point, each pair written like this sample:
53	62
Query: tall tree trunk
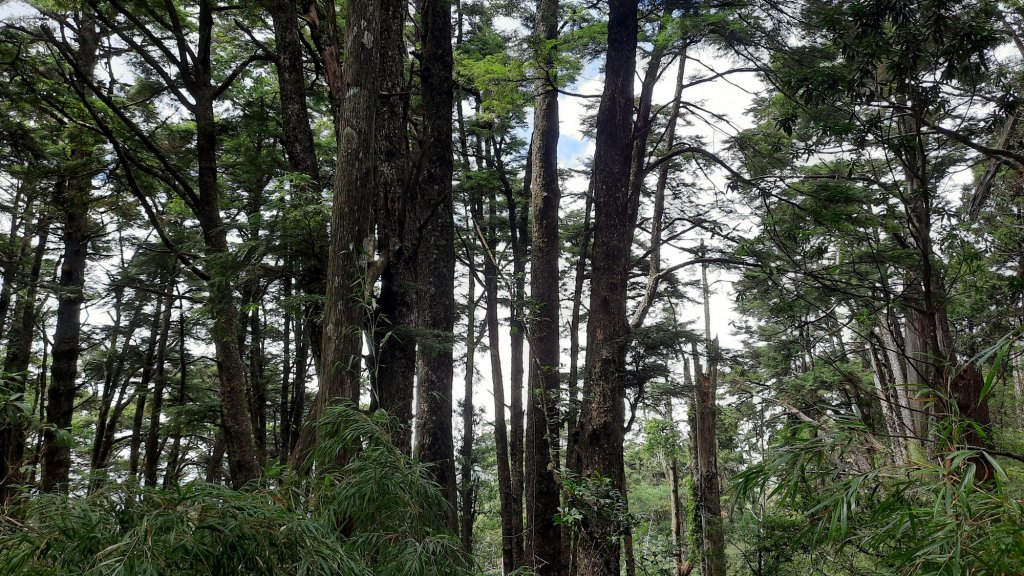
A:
519	241
284	402
467	496
352	220
300	149
519	237
572	416
16	364
173	469
543	536
436	256
888	397
153	445
679	548
257	383
395	339
510	541
602	413
657	218
142	389
114	384
298	400
235	418
13	266
706	449
56	456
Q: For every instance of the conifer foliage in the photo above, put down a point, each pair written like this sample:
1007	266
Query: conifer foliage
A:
479	287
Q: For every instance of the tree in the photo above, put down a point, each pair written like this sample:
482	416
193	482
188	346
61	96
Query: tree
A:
602	413
544	543
435	259
74	194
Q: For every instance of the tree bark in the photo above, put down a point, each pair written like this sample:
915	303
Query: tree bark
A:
395	338
348	281
602	413
436	255
56	452
519	238
511	550
679	548
709	501
300	150
16	365
152	459
543	536
467	496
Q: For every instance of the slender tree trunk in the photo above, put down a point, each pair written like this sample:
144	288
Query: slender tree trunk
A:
114	385
153	445
142	389
602	416
235	418
16	365
216	461
683	566
658	216
436	256
519	240
173	469
298	400
706	449
13	267
395	339
257	383
543	536
572	456
56	456
509	539
300	149
467	497
888	397
135	443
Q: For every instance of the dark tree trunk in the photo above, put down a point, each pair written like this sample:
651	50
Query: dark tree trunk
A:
708	507
152	459
16	364
543	536
519	238
142	390
395	338
56	456
257	383
679	539
235	418
284	403
602	414
467	495
216	461
436	254
298	400
173	469
114	385
13	266
297	137
510	540
572	457
348	279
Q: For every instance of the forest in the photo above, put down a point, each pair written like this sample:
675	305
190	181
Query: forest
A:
495	287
